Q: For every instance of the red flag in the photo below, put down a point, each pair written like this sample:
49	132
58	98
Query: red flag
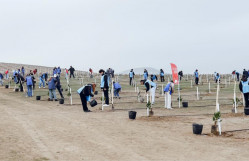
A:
174	73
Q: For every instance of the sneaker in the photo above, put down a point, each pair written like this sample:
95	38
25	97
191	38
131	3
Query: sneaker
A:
169	108
55	100
39	87
105	105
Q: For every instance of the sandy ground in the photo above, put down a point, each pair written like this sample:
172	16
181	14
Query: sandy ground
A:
41	130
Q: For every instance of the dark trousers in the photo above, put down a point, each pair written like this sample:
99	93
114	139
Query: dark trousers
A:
59	90
83	101
72	74
246	95
162	78
106	96
196	81
21	87
130	81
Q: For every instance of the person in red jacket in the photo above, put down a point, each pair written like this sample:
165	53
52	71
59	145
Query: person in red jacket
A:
7	74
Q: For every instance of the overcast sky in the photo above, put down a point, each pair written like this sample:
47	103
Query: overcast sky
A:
211	35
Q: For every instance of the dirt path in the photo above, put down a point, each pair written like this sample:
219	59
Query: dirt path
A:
32	130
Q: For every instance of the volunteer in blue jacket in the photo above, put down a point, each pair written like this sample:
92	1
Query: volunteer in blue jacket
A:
169	90
85	93
196	74
217	77
42	80
153	77
1	79
52	88
146	75
59	71
244	88
29	82
105	86
117	89
151	87
162	75
131	76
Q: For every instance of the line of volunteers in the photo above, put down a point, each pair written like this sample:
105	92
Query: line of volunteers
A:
87	92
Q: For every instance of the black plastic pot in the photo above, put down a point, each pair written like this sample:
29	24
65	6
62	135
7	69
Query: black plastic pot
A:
61	101
93	103
246	110
96	93
38	98
17	90
6	86
197	129
185	104
132	115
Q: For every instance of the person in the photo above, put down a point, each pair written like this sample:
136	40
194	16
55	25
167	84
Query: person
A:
34	72
66	73
244	88
131	76
1	79
117	89
90	71
162	75
237	73
245	73
169	90
29	82
146	75
105	86
153	77
85	93
180	74
42	82
59	71
33	79
20	80
196	74
71	69
7	74
23	71
233	74
151	87
55	71
58	86
217	77
52	88
46	77
14	76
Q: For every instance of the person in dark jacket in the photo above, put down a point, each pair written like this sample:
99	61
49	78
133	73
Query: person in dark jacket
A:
237	73
105	85
162	75
180	74
58	86
85	93
244	88
196	74
20	80
245	73
52	89
1	79
71	69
